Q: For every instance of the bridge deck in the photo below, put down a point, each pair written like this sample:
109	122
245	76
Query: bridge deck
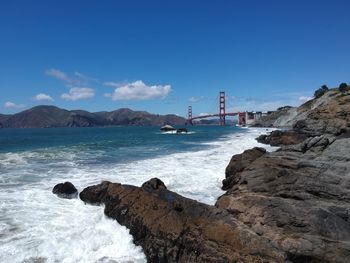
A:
214	115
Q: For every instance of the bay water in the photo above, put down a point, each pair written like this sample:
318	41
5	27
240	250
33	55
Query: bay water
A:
37	226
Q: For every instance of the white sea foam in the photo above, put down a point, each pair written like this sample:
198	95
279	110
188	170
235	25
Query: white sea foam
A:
36	226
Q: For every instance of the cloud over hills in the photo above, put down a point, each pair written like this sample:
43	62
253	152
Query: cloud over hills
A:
78	94
138	90
12	105
43	97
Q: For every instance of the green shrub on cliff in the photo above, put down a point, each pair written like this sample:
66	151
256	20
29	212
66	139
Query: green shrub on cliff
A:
319	93
343	87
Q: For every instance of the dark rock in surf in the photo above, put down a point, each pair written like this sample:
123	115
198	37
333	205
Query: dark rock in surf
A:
65	190
172	228
153	184
182	130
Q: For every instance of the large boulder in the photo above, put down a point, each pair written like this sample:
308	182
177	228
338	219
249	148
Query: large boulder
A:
65	190
172	228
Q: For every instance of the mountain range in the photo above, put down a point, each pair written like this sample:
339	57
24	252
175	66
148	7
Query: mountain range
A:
45	116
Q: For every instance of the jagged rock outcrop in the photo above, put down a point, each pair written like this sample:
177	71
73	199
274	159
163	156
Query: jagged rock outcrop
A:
270	119
299	198
65	190
277	137
171	228
329	114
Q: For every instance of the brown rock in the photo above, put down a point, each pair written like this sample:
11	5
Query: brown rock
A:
171	228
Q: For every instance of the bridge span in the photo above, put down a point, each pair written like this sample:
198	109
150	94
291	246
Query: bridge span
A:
244	117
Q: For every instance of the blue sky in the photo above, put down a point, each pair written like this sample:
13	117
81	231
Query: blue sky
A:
162	56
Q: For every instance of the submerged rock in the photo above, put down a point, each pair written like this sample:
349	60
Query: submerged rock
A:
172	228
65	190
182	130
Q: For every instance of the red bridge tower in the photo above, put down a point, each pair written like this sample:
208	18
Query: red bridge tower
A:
189	115
222	108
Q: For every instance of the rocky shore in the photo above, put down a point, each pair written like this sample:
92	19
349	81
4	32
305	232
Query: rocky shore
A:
291	205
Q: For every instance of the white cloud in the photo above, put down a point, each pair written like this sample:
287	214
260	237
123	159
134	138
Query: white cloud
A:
203	114
11	105
304	98
194	99
112	84
82	78
58	74
78	94
70	80
138	91
80	75
43	97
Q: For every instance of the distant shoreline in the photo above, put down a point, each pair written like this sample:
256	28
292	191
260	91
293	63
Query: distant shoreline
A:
45	116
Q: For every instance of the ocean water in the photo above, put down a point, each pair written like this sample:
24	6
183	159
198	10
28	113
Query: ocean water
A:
37	226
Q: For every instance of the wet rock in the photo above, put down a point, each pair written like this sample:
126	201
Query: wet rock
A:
65	190
172	228
94	194
182	130
153	184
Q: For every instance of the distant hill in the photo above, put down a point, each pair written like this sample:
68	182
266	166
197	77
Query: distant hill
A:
50	116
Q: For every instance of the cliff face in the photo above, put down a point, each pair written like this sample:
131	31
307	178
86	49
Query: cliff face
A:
51	116
328	114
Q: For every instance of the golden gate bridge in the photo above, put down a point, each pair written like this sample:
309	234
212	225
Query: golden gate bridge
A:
243	117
